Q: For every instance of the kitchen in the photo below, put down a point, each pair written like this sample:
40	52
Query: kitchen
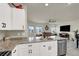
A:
12	31
15	37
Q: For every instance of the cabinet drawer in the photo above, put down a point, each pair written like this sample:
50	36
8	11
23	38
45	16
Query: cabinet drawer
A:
33	49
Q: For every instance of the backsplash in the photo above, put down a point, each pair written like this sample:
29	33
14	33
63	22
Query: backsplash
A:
11	43
11	33
1	35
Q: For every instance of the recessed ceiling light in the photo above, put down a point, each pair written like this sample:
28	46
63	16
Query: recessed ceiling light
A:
69	3
46	4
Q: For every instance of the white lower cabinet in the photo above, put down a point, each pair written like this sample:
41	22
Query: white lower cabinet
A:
20	50
33	49
36	49
26	50
48	48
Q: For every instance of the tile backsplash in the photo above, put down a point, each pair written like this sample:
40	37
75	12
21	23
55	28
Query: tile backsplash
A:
11	33
11	43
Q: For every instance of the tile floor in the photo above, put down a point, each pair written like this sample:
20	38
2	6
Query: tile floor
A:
71	48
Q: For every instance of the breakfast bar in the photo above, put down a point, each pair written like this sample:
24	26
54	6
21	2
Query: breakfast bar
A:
44	47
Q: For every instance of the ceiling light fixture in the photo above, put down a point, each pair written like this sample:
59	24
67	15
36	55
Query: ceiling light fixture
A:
69	3
46	4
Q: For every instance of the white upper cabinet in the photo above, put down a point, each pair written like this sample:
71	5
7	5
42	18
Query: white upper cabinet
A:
12	18
18	19
5	16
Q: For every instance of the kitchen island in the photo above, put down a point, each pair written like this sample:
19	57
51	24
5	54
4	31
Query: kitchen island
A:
51	47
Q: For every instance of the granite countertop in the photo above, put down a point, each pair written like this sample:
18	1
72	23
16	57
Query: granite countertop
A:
39	41
14	37
45	40
9	44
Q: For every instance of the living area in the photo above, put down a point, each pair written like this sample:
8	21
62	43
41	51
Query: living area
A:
55	19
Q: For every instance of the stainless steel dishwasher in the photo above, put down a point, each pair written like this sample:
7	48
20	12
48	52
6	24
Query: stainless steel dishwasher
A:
62	47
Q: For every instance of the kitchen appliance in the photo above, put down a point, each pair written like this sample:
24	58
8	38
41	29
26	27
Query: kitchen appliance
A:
62	47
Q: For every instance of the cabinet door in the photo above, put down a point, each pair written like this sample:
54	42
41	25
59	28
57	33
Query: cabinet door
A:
5	17
20	50
18	17
33	49
48	48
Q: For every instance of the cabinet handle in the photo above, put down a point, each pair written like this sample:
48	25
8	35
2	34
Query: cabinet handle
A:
23	26
44	45
29	45
14	51
49	47
30	51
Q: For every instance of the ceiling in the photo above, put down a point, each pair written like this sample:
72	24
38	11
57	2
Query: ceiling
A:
38	12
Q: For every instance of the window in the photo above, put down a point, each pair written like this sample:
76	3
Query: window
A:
39	29
31	29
